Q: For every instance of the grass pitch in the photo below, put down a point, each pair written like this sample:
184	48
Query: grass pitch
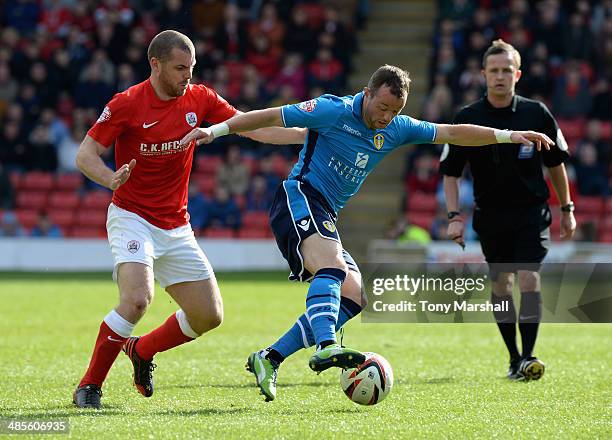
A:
449	378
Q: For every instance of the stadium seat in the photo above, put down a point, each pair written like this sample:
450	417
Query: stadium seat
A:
27	217
37	180
36	200
217	232
606	130
608	206
240	200
591	205
16	178
280	166
91	218
99	199
254	233
422	219
87	232
422	202
69	181
62	218
207	164
63	199
206	183
252	164
572	129
606	237
255	220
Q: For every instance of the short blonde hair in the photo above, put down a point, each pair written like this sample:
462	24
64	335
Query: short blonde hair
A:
500	46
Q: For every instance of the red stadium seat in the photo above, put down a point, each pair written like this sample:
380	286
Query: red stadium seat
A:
27	217
206	164
422	219
64	199
572	129
206	183
62	218
69	181
91	218
255	220
217	232
37	180
252	164
280	166
87	232
31	200
16	178
240	200
606	237
608	206
591	205
254	234
606	130
97	199
422	202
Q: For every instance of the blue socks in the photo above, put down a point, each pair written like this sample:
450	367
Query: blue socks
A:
301	335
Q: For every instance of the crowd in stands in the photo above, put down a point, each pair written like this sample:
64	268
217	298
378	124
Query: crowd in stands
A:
62	60
566	51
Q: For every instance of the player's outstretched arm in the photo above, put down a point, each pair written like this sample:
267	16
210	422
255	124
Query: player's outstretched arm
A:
244	122
89	162
476	135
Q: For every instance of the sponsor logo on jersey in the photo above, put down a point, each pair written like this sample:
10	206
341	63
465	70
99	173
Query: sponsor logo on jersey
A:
304	224
329	226
349	172
163	148
362	160
191	119
307	106
133	246
379	140
526	151
104	116
351	130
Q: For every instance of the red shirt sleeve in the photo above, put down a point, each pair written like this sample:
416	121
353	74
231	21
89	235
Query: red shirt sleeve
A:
112	121
217	109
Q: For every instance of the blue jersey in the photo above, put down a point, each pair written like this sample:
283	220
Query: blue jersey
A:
340	151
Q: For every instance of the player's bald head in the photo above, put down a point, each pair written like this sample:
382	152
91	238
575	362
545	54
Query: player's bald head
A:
162	44
396	79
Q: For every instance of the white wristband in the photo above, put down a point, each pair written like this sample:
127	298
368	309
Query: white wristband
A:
503	136
219	130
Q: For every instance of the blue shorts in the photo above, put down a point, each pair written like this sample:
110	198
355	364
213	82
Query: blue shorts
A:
297	212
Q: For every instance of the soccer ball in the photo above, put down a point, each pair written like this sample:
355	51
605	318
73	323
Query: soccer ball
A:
370	382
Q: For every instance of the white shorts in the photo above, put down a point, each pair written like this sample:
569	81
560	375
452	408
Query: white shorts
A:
173	254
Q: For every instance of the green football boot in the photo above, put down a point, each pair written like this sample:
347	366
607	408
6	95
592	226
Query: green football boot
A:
335	355
265	372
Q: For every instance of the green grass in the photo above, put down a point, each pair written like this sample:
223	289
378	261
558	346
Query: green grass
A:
449	378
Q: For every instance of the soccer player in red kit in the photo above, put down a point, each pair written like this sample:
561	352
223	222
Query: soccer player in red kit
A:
148	224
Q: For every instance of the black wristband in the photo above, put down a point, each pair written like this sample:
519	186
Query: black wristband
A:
568	208
453	214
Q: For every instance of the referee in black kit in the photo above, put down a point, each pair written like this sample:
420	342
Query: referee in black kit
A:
511	216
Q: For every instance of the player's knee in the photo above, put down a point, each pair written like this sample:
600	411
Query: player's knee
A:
208	320
529	281
504	284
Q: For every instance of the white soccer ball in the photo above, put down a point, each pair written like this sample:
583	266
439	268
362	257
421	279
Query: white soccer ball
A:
369	383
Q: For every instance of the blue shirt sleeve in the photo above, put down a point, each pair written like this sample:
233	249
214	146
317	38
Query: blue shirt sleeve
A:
317	113
413	131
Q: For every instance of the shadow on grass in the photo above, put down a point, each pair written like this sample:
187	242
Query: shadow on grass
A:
204	412
58	412
244	385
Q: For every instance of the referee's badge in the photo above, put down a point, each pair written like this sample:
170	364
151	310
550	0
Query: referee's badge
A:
379	140
526	151
191	119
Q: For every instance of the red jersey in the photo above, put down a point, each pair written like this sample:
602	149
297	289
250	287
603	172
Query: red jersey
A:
148	129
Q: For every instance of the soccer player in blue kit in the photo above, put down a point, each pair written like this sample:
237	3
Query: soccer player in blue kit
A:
347	137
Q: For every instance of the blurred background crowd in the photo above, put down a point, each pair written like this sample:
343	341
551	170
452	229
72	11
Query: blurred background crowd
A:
62	60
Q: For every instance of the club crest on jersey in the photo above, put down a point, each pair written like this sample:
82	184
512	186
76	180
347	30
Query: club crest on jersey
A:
379	140
104	116
307	106
362	160
191	119
329	226
133	246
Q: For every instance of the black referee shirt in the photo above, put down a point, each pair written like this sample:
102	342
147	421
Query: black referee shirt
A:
507	175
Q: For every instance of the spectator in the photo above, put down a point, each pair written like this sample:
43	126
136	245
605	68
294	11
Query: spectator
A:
223	211
91	91
572	98
299	34
233	175
67	150
424	176
326	72
405	232
198	207
590	173
41	154
266	170
8	87
12	147
258	197
269	26
9	225
6	189
231	36
45	228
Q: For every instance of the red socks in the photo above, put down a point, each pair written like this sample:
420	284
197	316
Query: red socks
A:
108	345
164	337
